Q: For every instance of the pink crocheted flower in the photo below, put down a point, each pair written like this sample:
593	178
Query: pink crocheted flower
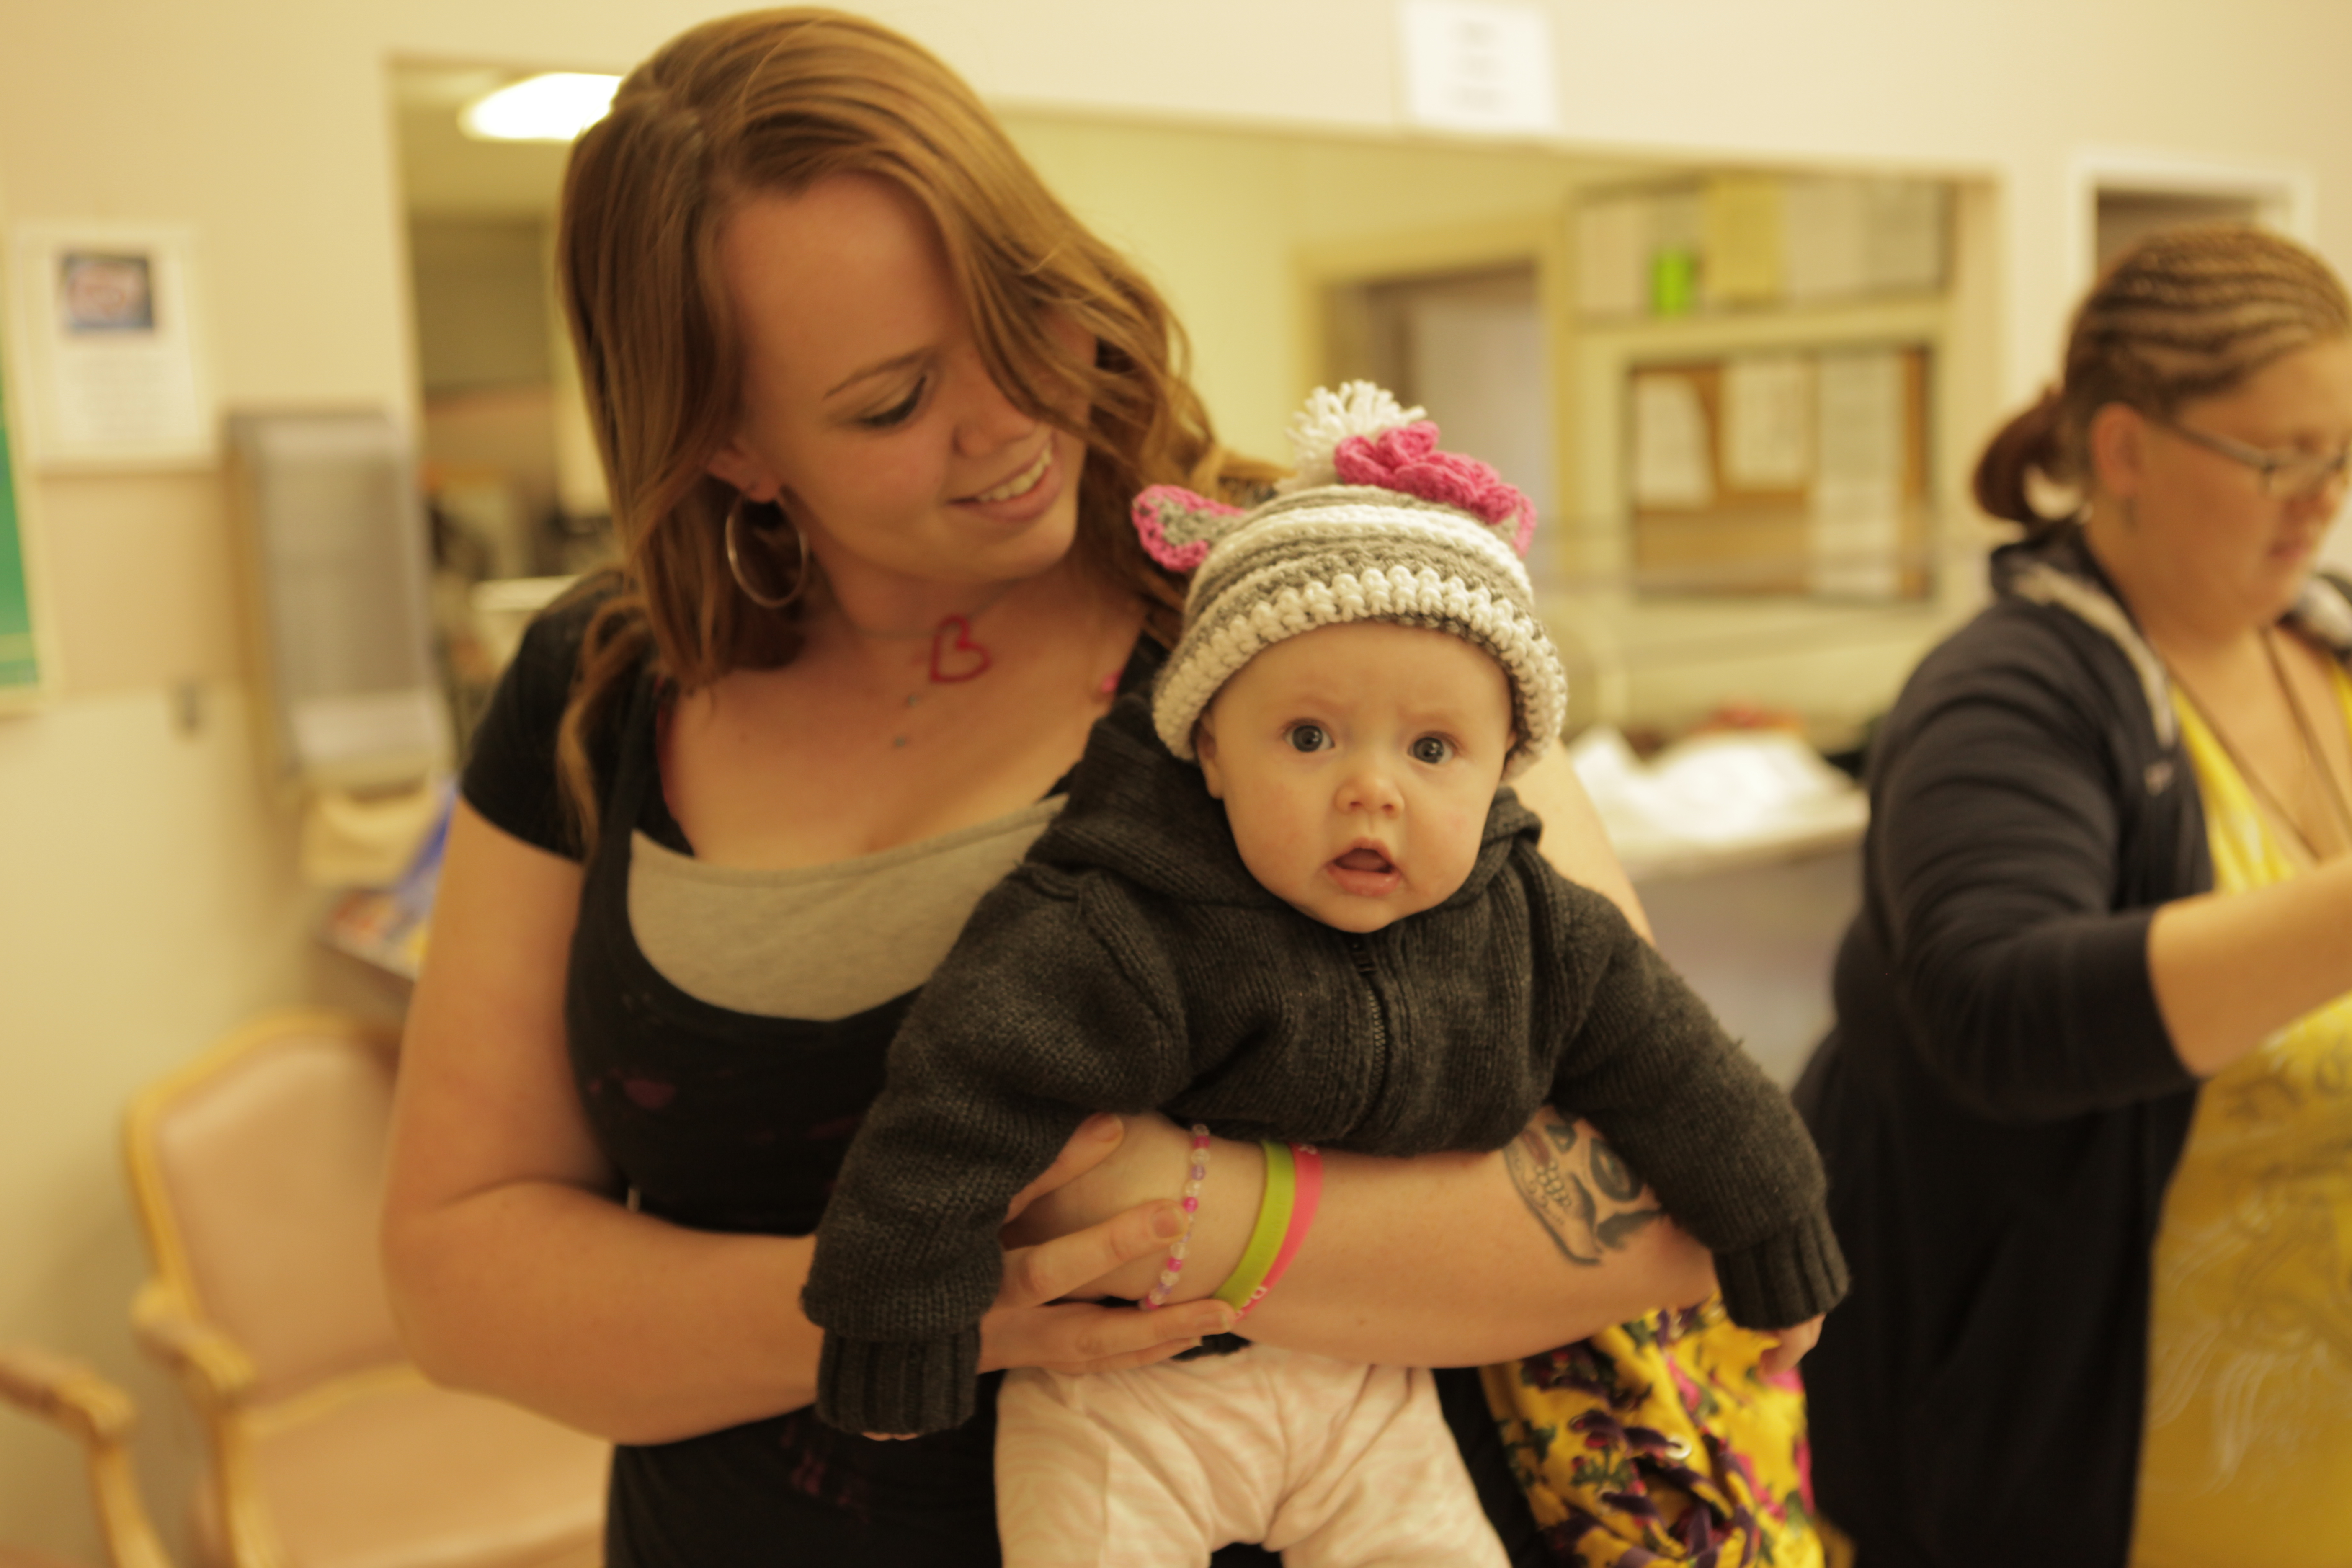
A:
1406	458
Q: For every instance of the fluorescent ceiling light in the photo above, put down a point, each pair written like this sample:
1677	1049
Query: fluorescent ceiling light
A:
555	107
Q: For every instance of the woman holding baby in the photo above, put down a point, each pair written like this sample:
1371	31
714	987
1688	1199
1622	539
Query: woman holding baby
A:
873	408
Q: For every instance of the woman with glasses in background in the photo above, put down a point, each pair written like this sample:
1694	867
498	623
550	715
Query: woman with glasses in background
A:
2088	1099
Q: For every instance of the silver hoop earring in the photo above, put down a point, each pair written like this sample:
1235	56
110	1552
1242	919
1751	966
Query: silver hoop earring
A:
735	567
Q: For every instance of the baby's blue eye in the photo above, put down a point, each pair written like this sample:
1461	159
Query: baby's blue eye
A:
1308	738
1432	750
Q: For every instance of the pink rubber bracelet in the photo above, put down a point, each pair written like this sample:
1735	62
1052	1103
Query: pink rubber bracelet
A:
1309	1162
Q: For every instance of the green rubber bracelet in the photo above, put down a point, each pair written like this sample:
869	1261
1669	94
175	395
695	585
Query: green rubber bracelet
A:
1272	1225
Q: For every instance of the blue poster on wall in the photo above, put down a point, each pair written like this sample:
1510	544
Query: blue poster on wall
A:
20	665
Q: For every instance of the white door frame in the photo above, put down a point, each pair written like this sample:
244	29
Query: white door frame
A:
2286	197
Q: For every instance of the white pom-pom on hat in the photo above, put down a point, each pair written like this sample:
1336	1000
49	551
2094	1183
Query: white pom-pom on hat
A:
1358	408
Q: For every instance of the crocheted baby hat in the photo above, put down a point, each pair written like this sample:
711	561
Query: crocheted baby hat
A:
1376	524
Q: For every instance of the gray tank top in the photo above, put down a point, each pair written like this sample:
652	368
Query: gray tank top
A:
820	942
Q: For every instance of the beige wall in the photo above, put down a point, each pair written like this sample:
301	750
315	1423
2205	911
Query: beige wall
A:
1221	217
148	897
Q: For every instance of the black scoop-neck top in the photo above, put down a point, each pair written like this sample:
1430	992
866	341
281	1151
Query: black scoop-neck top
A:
737	1122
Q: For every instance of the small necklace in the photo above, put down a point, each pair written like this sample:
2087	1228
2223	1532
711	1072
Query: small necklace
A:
2314	755
1105	689
956	656
2313	751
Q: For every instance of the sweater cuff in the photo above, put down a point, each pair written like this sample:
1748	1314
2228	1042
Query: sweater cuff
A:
903	1387
1789	1279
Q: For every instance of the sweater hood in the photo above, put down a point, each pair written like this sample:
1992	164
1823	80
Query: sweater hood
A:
2060	572
1134	810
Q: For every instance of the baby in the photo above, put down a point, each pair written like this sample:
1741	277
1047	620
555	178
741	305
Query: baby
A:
1290	899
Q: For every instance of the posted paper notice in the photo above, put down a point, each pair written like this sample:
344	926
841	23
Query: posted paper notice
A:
1674	461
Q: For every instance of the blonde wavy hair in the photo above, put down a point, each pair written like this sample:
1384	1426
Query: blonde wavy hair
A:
770	102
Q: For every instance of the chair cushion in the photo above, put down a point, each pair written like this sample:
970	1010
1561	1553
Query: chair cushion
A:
26	1557
414	1475
275	1167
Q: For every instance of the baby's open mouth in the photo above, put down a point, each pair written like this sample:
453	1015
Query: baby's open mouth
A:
1364	861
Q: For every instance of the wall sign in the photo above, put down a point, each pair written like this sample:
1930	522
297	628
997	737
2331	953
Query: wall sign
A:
114	375
1479	66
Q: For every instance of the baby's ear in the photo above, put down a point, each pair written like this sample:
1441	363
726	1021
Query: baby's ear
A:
1205	751
1178	527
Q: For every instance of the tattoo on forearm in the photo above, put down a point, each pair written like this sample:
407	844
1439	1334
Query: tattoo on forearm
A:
1558	1174
1612	1176
1549	1190
1619	1228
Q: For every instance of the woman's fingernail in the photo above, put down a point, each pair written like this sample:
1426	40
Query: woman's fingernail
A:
1167	1222
1101	1127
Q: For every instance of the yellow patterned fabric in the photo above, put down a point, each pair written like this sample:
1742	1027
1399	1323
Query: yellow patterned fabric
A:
1661	1441
2248	1454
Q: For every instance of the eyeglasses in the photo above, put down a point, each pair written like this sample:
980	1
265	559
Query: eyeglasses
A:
2289	477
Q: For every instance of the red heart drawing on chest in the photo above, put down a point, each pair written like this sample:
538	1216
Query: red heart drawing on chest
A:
954	655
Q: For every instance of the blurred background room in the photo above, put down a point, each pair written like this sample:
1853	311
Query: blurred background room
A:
1734	291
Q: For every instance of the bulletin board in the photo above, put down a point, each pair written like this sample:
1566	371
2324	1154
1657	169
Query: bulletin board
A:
1785	472
20	662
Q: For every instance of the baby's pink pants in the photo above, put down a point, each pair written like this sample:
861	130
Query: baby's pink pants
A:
1333	1464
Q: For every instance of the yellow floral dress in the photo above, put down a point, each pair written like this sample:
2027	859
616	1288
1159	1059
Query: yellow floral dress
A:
2248	1453
1662	1441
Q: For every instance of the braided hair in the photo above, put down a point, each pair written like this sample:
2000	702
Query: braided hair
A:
2187	313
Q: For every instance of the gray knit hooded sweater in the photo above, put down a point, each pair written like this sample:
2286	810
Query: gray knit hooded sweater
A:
1131	964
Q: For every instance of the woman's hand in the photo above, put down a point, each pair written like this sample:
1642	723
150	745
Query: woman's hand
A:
1111	1164
1790	1347
1034	1323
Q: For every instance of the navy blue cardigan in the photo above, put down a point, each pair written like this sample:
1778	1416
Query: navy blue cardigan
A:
2000	1105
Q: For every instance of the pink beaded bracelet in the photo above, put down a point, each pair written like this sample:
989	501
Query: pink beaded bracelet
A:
1158	1294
